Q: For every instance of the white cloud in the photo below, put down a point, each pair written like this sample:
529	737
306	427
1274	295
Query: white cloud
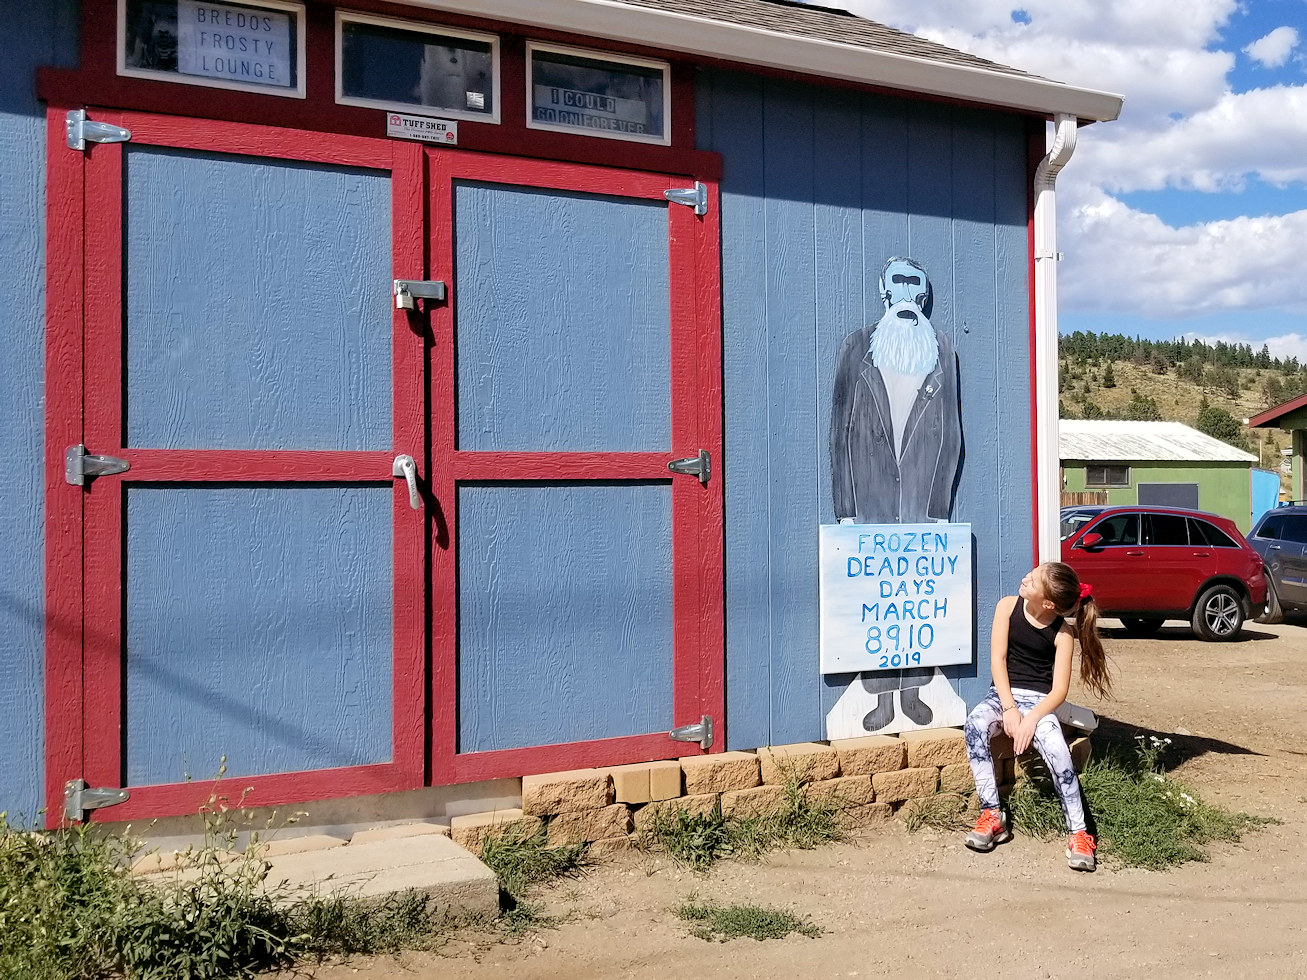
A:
1274	49
1261	133
1128	261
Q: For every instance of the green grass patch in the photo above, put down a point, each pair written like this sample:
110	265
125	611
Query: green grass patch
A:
942	811
699	840
522	861
1144	817
70	910
719	923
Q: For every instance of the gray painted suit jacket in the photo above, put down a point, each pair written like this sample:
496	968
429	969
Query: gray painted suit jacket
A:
869	481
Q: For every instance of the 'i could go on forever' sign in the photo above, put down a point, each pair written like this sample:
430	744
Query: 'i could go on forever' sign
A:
895	596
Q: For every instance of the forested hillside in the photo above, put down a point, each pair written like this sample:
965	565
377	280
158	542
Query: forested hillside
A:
1212	387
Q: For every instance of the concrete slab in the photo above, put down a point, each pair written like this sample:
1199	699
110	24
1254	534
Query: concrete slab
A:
431	863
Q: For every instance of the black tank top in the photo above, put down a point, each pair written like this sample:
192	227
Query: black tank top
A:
1030	651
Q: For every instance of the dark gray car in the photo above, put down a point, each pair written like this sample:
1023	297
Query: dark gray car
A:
1280	537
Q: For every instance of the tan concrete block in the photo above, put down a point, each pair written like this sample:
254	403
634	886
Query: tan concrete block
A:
935	747
867	815
399	831
804	762
870	754
720	773
744	803
562	792
581	826
956	778
841	793
630	783
894	787
610	846
301	845
696	806
1000	747
184	861
472	829
664	780
1081	750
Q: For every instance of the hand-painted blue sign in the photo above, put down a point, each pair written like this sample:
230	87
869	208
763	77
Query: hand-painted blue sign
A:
895	596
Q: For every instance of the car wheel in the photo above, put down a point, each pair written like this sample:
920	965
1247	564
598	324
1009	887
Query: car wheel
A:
1218	614
1274	611
1141	627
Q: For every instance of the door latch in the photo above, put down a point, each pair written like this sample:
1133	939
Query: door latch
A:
700	466
408	290
79	799
700	732
78	465
408	469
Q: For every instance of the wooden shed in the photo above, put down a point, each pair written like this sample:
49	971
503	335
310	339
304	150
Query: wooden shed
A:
418	393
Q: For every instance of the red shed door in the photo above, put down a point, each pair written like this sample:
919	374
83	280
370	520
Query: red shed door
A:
254	579
577	578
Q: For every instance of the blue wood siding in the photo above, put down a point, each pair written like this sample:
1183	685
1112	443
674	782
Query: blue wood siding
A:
35	32
820	187
563	321
258	627
565	613
258	303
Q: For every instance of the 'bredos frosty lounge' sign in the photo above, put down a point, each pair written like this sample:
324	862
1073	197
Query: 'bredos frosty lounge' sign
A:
894	596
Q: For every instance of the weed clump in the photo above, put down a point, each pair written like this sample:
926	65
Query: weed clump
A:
1145	818
71	910
699	840
522	861
715	922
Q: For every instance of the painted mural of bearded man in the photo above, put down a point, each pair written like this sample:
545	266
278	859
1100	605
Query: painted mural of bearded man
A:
896	442
896	429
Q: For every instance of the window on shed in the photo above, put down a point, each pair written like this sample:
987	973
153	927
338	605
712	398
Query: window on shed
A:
399	64
571	90
250	46
1101	475
1201	532
1165	529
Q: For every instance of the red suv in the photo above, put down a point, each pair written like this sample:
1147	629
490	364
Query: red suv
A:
1150	564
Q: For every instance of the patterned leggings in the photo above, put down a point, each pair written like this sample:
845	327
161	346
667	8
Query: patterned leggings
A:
986	721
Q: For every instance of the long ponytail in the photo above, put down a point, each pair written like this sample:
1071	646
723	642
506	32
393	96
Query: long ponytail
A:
1065	592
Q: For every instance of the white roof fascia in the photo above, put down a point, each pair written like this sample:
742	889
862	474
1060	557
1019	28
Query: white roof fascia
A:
676	31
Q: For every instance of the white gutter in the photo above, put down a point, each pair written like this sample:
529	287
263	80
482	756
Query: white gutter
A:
680	32
1048	491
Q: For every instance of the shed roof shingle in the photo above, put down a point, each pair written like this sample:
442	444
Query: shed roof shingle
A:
826	23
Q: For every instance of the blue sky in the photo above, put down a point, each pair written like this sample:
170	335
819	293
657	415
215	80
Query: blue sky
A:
1188	215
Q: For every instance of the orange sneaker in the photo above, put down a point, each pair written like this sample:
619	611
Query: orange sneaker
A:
990	831
1080	851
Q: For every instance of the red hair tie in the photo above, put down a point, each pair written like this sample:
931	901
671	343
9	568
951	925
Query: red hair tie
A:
1086	591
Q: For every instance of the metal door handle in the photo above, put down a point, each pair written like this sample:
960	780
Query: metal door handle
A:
1202	554
408	469
1135	554
1274	547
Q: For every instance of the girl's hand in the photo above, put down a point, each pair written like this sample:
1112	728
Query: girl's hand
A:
1025	733
1011	723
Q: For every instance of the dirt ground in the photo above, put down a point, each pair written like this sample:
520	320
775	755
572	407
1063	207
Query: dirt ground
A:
895	904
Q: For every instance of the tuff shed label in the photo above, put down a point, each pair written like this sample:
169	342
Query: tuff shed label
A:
425	128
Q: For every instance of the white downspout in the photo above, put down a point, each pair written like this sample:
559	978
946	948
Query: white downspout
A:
1048	489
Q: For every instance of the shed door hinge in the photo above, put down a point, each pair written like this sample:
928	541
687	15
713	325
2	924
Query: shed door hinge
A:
699	465
78	465
692	197
700	732
82	130
80	799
